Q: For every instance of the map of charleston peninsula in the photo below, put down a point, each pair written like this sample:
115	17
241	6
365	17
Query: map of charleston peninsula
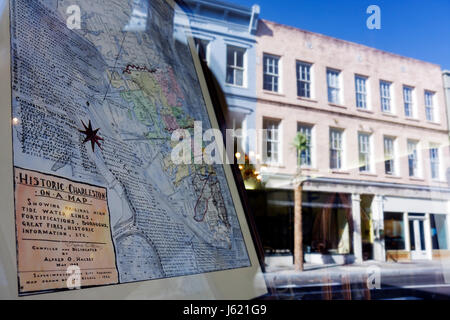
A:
98	106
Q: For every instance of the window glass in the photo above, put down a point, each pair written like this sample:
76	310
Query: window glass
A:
438	223
394	232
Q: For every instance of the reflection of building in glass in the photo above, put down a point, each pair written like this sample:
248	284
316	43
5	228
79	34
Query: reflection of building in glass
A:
377	149
224	36
139	15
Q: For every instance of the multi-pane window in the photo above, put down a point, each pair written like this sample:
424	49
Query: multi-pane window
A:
413	159
336	149
385	93
202	48
364	152
271	73
361	92
235	66
434	162
408	100
304	79
271	141
389	155
305	156
429	107
334	91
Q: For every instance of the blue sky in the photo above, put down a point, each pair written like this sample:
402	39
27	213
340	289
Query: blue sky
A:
415	28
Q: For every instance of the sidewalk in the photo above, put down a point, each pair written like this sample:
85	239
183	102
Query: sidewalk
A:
390	273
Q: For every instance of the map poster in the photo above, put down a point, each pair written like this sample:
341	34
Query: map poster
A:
95	109
63	232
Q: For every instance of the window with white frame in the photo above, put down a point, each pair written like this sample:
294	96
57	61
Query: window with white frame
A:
303	79
413	159
305	156
364	152
434	162
336	149
429	106
385	93
389	155
271	141
408	101
334	86
361	92
237	124
202	48
235	66
271	73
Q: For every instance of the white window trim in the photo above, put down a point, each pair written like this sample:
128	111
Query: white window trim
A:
395	171
434	108
235	67
366	93
339	88
391	96
369	151
279	142
440	167
413	102
312	144
342	149
311	78
279	75
419	172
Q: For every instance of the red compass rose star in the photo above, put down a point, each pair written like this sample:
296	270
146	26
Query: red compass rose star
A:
91	135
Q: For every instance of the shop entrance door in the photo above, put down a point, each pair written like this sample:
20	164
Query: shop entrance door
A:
417	237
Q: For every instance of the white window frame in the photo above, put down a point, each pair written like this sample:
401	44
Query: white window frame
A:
336	141
334	86
430	110
275	64
308	131
234	67
361	92
304	76
435	165
272	127
198	42
389	154
386	96
408	101
364	150
413	152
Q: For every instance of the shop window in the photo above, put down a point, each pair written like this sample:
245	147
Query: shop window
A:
327	224
438	224
394	231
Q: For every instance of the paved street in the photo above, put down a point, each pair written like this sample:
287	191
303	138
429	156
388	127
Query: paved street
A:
418	280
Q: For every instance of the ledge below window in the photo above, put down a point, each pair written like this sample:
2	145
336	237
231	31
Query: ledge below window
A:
392	176
417	179
336	171
368	174
273	93
306	99
337	105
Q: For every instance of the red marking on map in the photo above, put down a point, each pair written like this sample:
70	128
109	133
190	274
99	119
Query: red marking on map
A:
132	67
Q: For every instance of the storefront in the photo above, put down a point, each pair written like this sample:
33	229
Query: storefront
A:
341	228
416	229
327	225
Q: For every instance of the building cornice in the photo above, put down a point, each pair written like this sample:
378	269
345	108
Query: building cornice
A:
360	183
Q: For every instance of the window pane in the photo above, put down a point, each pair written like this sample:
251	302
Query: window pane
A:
394	231
239	78
439	231
230	75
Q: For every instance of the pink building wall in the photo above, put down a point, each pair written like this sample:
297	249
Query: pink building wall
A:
350	58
